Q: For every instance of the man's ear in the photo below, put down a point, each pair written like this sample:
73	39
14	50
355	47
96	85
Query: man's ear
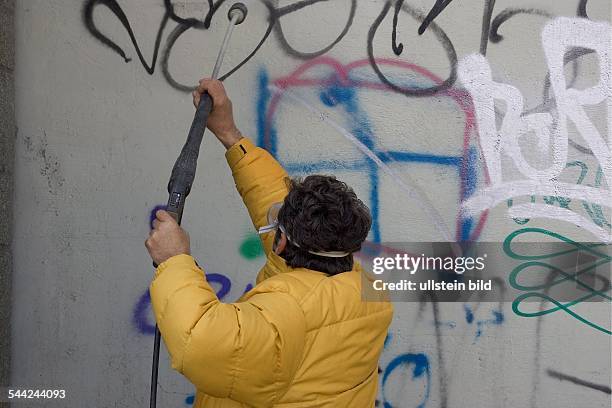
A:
281	244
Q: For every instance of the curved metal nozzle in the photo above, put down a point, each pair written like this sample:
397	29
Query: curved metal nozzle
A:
238	11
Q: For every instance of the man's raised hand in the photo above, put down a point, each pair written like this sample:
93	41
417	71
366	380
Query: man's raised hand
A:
221	119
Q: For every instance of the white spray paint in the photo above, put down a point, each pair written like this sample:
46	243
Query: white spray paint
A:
558	37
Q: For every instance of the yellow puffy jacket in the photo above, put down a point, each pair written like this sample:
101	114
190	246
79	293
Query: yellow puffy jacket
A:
299	338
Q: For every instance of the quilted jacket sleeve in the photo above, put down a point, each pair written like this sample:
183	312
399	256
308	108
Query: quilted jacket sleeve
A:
260	180
246	351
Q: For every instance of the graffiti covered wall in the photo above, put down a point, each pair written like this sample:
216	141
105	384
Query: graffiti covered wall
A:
454	120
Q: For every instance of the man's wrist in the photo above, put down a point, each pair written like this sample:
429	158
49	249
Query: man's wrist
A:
230	138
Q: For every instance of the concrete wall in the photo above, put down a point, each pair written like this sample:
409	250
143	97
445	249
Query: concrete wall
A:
100	126
7	152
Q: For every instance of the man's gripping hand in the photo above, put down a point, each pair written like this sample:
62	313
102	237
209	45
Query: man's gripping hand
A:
221	119
166	239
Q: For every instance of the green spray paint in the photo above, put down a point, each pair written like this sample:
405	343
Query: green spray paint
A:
594	211
536	261
251	247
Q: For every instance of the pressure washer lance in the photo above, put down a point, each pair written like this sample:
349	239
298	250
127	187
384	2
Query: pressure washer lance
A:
183	172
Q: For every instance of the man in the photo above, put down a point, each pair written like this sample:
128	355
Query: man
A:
302	337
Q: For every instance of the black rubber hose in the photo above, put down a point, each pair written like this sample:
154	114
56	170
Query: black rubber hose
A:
179	186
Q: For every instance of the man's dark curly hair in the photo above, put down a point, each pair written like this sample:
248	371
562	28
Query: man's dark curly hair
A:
321	213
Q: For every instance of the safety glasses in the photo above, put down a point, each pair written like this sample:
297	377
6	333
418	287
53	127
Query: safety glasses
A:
272	219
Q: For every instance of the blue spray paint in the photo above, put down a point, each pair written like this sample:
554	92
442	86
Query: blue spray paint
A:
152	213
387	340
469	315
140	314
340	95
469	183
262	101
420	369
496	320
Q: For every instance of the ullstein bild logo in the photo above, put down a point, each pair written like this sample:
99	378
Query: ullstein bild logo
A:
432	285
